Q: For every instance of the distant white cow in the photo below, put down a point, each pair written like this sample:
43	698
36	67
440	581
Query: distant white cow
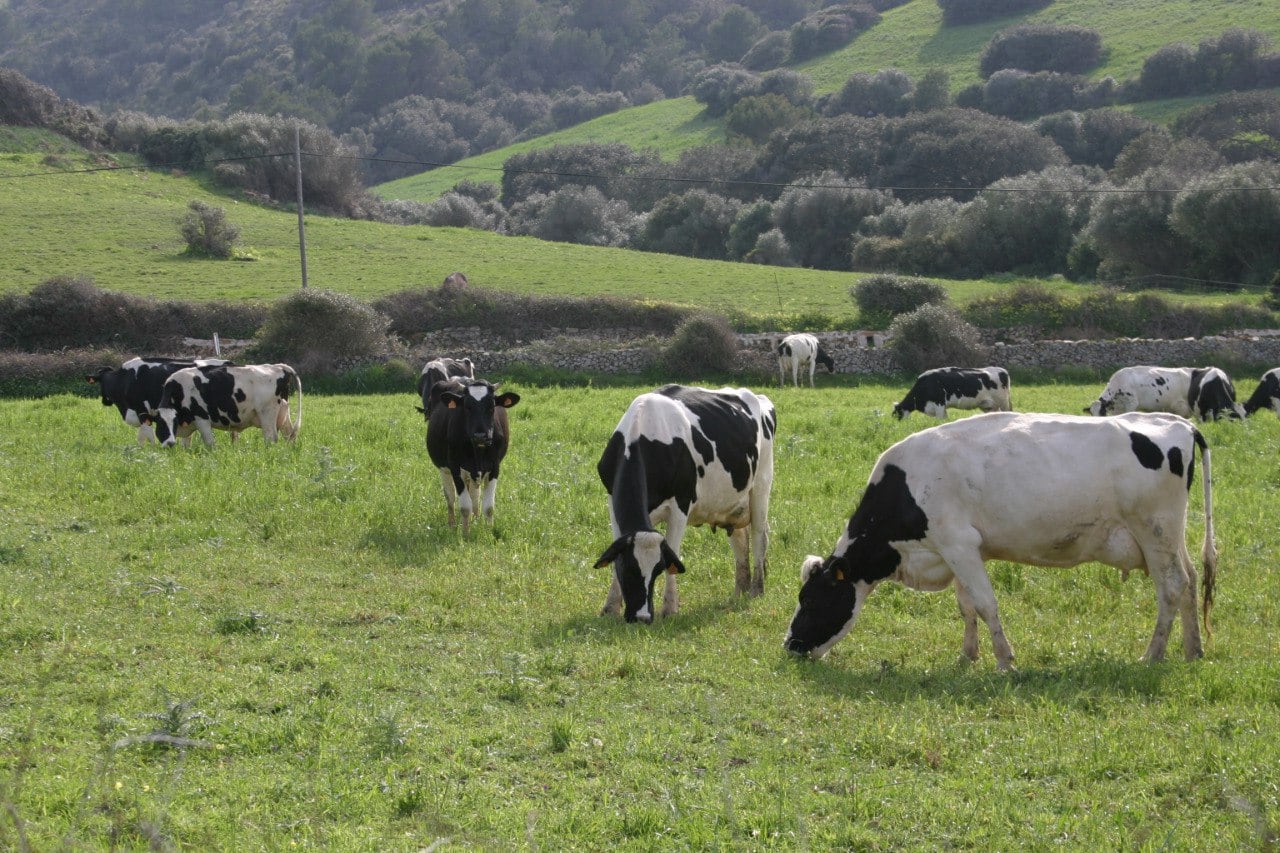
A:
1049	490
231	398
1202	392
800	351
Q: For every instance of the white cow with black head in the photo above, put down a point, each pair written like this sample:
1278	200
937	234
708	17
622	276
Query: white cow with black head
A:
1049	490
685	456
1206	393
799	352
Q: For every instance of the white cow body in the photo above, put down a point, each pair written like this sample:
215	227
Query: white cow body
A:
1203	392
800	351
1048	490
234	398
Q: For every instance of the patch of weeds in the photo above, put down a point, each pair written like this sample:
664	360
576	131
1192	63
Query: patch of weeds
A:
561	734
386	736
513	681
249	622
160	586
173	727
10	554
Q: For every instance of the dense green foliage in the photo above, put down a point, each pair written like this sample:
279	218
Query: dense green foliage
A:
256	648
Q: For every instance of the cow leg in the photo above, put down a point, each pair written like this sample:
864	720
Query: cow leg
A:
450	493
741	561
676	524
760	528
973	583
1191	643
970	617
268	428
206	431
146	434
813	367
1172	595
782	374
490	495
468	500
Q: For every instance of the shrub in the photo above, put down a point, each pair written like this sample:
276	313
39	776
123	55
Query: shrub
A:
758	116
320	331
771	248
819	220
1042	47
935	336
719	87
546	170
695	224
1094	137
207	232
887	92
703	344
574	214
830	28
458	211
883	297
771	51
752	221
1231	219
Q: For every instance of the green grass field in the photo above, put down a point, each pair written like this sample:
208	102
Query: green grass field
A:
258	647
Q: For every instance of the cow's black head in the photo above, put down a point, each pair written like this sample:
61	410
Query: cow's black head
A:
478	400
105	380
824	358
638	559
827	606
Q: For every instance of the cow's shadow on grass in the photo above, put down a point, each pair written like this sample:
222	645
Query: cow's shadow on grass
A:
591	624
407	544
1084	682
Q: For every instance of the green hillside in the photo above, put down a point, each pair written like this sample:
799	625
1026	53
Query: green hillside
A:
911	38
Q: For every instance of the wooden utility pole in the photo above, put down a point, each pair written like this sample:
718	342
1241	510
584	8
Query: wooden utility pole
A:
302	228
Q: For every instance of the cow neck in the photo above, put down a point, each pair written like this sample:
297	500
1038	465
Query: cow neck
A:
630	496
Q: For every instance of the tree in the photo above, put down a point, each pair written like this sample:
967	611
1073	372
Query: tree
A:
207	232
732	34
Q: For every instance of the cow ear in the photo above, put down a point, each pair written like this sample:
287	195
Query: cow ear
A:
611	553
811	564
672	560
508	399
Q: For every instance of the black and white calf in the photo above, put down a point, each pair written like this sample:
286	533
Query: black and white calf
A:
134	388
799	352
230	397
467	439
1266	395
683	456
1049	490
1202	392
934	391
438	370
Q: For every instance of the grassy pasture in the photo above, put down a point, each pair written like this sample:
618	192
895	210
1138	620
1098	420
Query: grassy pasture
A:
335	668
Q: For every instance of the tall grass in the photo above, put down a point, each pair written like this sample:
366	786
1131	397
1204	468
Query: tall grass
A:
335	668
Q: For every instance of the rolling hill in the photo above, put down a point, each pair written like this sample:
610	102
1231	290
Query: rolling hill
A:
912	39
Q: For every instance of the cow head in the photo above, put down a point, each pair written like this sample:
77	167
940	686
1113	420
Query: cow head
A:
478	401
1098	408
898	411
824	358
827	608
105	379
638	559
173	419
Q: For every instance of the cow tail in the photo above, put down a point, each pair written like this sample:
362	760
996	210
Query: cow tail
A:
1209	551
297	384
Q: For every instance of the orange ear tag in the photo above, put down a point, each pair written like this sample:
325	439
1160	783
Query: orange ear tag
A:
672	570
453	404
839	574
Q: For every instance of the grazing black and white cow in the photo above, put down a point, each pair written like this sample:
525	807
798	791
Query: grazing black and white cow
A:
798	352
683	456
229	397
985	388
467	438
134	388
1049	490
1266	395
438	370
1202	392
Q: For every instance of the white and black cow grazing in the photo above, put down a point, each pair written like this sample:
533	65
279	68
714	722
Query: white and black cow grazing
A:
438	370
467	438
1202	392
1049	490
1266	395
135	388
985	388
799	352
683	456
231	398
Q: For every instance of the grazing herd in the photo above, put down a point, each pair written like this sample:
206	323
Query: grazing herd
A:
1041	489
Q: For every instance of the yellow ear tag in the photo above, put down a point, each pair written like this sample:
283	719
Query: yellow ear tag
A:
839	574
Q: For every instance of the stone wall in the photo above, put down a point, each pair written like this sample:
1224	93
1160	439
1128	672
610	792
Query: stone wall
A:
862	352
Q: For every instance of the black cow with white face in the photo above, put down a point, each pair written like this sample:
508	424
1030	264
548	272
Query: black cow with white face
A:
136	386
1048	490
467	438
1266	395
438	370
985	388
683	456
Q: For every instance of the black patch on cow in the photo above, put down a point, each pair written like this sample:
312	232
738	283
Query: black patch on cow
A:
1147	451
1175	461
784	349
1160	380
725	430
888	512
1265	395
216	389
647	474
1211	394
